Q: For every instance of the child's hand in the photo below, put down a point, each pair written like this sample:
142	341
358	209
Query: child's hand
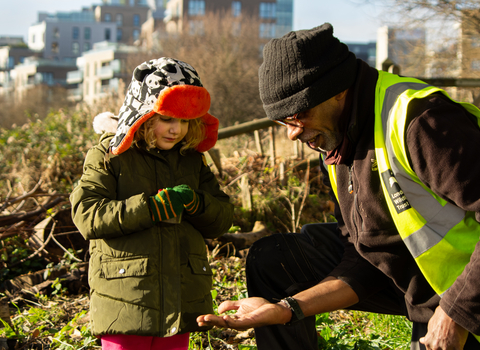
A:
190	199
166	204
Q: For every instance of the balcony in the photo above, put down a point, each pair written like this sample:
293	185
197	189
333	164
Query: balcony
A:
108	72
74	77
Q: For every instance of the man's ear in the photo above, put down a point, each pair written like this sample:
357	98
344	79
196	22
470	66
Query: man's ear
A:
341	95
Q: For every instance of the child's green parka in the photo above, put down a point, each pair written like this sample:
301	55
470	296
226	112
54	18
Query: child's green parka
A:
146	278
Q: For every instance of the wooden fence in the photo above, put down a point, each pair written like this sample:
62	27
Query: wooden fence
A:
255	126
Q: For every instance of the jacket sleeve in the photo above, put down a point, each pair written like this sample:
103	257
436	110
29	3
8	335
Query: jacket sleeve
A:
217	216
95	210
444	147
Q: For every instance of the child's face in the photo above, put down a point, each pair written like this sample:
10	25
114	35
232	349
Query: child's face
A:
169	131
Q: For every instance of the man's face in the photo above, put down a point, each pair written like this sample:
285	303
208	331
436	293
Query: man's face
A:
321	125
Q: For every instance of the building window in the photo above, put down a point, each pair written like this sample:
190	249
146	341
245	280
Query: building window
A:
108	34
475	42
54	47
236	8
136	34
475	65
56	33
86	47
75	33
267	30
11	62
108	17
119	34
33	38
75	48
47	78
87	33
119	19
268	10
196	7
136	20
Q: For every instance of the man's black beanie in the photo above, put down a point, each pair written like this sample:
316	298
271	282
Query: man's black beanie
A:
303	69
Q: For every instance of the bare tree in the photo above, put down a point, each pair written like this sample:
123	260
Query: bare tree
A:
226	51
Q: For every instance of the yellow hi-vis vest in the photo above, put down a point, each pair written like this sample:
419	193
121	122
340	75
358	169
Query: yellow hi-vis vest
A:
440	236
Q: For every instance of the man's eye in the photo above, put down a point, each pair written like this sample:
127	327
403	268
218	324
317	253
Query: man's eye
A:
165	119
185	121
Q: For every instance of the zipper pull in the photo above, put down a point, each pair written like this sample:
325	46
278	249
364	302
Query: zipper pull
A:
350	180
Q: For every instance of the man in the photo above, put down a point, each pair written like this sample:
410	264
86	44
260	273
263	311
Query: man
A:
402	160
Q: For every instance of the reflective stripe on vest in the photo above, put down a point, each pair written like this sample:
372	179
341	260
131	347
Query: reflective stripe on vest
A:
440	236
432	228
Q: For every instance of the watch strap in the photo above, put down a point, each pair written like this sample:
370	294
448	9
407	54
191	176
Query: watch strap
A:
297	313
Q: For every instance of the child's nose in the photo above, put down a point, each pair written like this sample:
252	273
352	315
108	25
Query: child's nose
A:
175	126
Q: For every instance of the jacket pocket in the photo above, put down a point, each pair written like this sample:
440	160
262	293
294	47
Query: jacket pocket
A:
196	279
112	269
199	265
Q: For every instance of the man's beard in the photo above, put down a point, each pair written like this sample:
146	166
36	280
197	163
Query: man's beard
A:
331	140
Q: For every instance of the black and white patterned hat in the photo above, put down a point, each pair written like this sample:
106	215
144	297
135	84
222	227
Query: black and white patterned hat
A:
168	87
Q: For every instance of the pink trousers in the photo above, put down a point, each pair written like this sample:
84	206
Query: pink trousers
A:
138	342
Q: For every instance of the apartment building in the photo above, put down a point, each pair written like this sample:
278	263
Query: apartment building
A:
128	15
365	51
64	36
99	72
276	17
10	56
35	71
11	40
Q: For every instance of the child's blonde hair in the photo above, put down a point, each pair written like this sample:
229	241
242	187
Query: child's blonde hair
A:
195	134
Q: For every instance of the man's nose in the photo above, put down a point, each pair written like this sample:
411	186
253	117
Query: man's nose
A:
293	132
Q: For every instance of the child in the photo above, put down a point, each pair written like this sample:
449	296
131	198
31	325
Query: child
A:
146	201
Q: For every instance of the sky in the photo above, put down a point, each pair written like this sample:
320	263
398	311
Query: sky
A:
352	20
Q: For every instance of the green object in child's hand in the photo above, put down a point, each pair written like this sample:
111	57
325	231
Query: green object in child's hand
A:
166	204
190	199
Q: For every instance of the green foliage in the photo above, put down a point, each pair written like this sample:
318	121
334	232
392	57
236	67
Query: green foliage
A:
43	321
74	336
12	252
353	330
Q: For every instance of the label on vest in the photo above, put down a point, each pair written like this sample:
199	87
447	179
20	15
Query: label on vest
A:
395	193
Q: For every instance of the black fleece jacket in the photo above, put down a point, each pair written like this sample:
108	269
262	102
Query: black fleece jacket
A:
443	142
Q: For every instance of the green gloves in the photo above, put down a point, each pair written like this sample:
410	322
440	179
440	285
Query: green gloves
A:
190	199
169	203
166	204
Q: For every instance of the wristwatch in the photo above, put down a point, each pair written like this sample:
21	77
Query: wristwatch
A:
297	313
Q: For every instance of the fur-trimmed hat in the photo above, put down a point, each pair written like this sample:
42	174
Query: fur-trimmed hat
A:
168	87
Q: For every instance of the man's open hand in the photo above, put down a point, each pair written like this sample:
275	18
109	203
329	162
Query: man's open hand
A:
251	312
